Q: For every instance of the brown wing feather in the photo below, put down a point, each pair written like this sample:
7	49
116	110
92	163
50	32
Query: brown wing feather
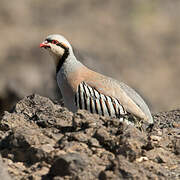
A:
110	87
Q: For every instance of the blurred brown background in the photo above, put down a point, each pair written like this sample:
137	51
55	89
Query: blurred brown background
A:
135	41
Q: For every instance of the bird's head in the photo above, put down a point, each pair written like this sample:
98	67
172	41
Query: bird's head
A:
58	47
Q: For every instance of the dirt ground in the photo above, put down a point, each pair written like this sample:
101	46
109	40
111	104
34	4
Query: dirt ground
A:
42	140
134	41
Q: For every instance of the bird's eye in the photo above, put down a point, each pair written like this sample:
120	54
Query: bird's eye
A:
54	42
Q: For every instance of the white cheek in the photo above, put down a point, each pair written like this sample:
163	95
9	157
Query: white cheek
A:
60	51
57	50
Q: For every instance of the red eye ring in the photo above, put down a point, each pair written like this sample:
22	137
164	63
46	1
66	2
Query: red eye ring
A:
54	42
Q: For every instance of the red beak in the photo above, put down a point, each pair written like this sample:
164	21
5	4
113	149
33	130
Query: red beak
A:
41	45
44	45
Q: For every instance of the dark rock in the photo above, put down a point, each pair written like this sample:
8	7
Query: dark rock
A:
105	175
70	164
177	146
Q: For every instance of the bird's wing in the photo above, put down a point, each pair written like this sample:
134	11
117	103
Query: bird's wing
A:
89	98
127	97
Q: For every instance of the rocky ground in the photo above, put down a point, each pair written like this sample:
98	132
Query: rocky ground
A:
40	139
135	41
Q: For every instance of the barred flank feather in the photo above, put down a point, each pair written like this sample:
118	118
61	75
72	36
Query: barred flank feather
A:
90	99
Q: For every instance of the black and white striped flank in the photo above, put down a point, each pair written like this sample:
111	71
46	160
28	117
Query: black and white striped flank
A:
90	99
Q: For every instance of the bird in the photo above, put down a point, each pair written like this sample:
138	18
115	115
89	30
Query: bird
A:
83	88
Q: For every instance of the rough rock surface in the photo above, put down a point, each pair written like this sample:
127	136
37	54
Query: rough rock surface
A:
135	41
42	140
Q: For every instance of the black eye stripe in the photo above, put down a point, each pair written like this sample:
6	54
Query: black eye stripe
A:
48	40
52	41
61	45
57	43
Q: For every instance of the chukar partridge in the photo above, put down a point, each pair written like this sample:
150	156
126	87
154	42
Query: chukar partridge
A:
83	88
